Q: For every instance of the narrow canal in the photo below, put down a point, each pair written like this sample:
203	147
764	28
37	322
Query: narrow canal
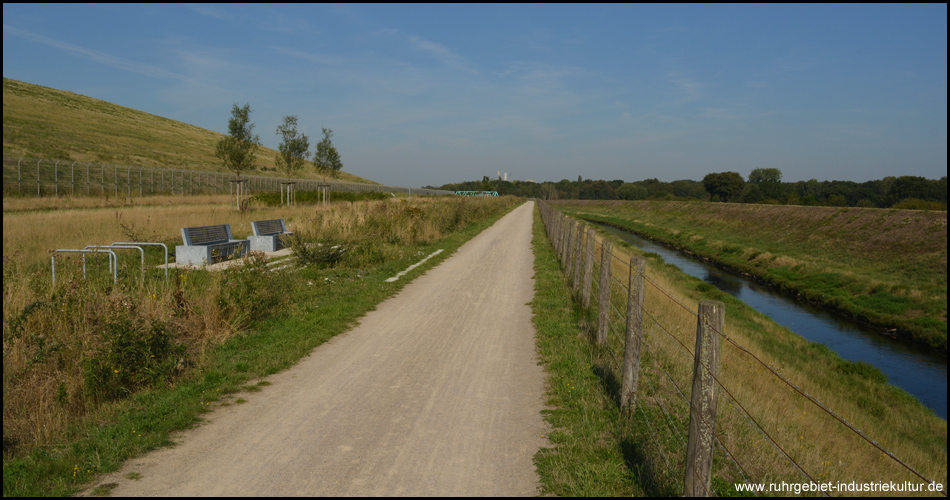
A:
914	369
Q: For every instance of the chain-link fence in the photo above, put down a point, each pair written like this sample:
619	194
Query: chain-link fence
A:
42	177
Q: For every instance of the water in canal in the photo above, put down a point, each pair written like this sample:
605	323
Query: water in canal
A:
911	368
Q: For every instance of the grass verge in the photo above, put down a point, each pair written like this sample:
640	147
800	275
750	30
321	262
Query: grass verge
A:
589	457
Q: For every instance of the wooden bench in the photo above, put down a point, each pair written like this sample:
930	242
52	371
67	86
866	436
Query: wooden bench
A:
209	244
267	233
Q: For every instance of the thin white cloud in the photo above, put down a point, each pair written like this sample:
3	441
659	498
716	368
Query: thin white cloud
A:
102	58
323	59
689	88
209	11
436	50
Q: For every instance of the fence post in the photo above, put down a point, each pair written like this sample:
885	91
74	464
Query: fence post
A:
702	408
571	236
603	306
588	268
38	178
56	177
578	256
631	351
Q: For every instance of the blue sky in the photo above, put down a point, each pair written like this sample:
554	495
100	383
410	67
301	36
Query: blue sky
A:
426	95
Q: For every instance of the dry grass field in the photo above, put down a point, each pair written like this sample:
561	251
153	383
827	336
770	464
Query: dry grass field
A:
51	332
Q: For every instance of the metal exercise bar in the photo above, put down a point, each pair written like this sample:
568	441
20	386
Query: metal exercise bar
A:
142	243
121	247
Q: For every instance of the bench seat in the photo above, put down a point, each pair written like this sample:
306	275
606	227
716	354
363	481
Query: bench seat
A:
267	233
209	244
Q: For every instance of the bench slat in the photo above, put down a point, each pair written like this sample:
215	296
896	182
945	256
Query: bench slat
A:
269	227
207	235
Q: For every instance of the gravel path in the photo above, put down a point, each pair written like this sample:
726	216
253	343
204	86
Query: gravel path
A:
437	392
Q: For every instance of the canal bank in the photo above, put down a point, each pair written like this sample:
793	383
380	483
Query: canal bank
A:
915	369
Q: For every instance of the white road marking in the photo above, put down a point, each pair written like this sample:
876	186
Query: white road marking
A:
410	268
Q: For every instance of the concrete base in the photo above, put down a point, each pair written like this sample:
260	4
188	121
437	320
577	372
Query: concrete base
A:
200	255
265	243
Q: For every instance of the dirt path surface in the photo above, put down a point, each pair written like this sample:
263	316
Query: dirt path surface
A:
437	392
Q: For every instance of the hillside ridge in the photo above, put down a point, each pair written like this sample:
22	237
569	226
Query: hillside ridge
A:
43	122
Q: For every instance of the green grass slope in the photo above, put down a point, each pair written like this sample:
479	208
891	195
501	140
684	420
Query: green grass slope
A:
887	267
41	122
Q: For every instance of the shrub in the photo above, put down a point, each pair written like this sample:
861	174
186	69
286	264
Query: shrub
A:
135	354
251	291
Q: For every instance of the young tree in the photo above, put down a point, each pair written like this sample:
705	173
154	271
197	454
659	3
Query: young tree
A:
294	147
238	149
327	159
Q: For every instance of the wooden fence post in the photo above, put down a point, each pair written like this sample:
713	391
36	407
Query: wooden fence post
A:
571	254
565	232
603	307
702	411
579	256
631	351
588	268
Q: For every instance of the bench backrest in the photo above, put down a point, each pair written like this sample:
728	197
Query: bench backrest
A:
206	235
269	227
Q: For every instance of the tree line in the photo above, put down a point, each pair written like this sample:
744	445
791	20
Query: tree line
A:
763	185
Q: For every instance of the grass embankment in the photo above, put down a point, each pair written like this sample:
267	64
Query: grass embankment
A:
884	267
587	430
41	122
644	451
96	373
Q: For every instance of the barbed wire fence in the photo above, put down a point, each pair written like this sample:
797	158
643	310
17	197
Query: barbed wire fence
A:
672	394
44	177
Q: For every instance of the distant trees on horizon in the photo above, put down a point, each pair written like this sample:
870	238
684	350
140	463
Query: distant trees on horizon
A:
764	185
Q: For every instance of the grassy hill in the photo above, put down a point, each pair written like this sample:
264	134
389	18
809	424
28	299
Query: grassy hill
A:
41	122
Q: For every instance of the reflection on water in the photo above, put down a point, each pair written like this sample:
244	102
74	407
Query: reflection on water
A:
909	367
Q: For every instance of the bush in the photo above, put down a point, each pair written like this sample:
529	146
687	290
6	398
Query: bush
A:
251	291
135	354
